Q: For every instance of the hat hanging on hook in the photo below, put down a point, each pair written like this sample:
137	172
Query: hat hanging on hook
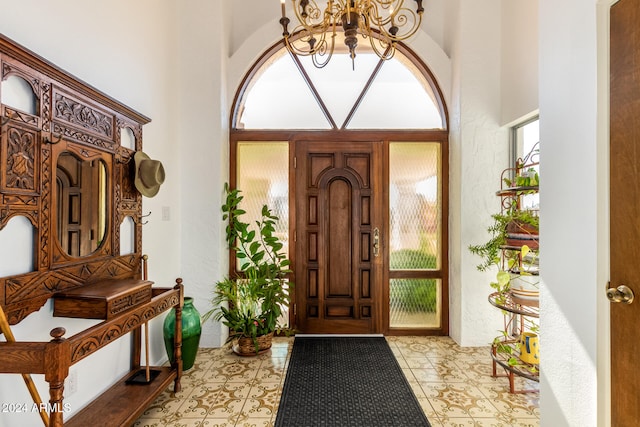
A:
149	174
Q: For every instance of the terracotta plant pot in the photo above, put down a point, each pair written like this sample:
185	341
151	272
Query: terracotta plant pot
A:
519	229
520	234
518	243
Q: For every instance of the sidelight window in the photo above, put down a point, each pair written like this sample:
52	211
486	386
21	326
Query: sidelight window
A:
415	234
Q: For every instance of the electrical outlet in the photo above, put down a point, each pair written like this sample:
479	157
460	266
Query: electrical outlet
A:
71	383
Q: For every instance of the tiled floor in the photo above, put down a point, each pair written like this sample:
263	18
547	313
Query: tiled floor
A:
452	383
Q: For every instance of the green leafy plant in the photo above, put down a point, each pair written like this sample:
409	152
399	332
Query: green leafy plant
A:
528	178
508	262
251	303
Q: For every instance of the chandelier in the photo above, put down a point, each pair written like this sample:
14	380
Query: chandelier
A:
382	22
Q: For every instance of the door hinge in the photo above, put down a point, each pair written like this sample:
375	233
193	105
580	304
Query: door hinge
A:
295	162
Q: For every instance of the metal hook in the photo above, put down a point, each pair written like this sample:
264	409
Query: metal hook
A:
145	216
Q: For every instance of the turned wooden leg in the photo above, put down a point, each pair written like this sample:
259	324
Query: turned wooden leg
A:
58	359
177	339
56	390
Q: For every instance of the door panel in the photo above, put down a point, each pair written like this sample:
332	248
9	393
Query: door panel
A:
338	206
624	207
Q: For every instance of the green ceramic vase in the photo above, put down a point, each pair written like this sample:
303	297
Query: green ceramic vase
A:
191	331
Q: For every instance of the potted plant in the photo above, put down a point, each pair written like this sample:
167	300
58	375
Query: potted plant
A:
516	263
512	249
251	302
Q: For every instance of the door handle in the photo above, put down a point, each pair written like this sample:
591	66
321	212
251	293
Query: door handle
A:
620	294
376	241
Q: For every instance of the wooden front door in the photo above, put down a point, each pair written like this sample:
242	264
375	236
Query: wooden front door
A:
339	231
624	210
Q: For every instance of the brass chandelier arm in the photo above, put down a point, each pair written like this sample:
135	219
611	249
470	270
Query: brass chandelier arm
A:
384	22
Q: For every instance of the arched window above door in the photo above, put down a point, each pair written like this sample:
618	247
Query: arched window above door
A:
286	92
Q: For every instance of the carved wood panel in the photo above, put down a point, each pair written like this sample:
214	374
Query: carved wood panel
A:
84	344
38	286
21	157
81	115
70	116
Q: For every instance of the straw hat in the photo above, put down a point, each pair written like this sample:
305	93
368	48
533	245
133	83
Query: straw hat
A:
149	174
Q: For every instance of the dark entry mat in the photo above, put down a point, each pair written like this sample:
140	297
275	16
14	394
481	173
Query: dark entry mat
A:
346	382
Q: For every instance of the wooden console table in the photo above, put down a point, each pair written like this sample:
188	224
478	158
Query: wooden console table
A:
122	404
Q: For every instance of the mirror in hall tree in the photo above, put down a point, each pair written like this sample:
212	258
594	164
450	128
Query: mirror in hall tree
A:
81	196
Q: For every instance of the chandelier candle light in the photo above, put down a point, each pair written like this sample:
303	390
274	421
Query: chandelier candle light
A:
382	22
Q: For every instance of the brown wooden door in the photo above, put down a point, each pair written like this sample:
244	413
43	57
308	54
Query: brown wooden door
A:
625	209
339	213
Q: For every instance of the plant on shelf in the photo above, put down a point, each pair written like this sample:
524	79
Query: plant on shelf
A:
514	262
511	248
251	302
512	251
526	178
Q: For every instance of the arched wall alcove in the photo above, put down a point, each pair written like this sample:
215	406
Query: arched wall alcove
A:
127	236
17	246
18	93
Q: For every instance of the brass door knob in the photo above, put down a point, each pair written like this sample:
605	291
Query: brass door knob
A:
620	294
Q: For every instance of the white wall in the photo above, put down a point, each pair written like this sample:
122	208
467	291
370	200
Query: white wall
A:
203	138
479	153
570	224
124	49
519	70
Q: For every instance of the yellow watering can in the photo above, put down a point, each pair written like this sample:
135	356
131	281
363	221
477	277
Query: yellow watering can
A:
529	348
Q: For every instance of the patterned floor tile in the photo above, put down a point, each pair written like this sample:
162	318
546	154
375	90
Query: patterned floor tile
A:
514	406
458	422
453	384
458	400
491	422
449	372
263	401
201	401
272	370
